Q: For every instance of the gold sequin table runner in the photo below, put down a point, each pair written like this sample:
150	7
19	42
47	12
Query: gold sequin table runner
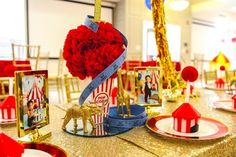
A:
141	142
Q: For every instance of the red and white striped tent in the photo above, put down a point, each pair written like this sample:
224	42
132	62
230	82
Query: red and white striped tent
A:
186	118
154	78
36	95
8	108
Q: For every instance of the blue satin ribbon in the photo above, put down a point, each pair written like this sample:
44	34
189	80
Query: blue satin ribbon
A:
111	69
138	118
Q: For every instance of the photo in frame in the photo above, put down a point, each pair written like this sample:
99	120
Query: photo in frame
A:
146	85
32	108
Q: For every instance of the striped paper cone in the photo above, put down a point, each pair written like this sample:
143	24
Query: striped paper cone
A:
101	96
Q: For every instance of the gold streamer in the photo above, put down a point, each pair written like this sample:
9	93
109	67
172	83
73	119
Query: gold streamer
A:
97	10
166	64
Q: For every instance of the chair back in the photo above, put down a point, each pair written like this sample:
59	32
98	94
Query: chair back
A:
60	64
229	75
24	52
4	87
43	61
210	76
72	88
131	64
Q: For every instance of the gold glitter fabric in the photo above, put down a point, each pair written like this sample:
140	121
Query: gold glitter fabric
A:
141	142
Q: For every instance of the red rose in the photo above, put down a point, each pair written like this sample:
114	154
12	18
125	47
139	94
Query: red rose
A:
88	53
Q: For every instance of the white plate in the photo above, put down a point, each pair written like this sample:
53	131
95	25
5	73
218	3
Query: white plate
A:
35	153
208	128
226	105
205	128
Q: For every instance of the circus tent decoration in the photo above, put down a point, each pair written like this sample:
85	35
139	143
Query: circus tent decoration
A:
186	119
10	147
36	95
234	101
219	61
8	108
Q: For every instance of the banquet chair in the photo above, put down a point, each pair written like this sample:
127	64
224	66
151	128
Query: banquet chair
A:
129	68
198	60
43	61
210	76
25	52
4	85
57	79
230	75
72	88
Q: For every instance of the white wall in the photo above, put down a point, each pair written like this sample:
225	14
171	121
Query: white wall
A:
173	33
12	26
211	40
50	21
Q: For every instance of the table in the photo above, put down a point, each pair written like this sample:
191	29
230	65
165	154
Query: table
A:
141	142
8	69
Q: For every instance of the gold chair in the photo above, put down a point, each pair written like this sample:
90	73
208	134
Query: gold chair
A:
4	87
198	61
230	76
43	61
72	88
57	78
210	76
24	52
130	66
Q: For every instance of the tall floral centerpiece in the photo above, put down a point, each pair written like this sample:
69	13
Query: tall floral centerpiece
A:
95	50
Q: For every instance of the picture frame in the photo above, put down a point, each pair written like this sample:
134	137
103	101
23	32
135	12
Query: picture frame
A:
148	85
32	105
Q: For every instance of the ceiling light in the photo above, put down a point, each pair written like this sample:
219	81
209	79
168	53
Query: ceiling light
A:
179	5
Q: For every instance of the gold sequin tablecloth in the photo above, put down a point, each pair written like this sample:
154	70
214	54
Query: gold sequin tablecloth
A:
141	142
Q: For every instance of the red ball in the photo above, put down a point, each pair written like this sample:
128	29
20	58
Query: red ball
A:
222	68
190	74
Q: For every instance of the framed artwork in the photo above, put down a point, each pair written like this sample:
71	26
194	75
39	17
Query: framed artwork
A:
147	85
32	108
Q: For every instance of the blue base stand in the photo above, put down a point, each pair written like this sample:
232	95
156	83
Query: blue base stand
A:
137	118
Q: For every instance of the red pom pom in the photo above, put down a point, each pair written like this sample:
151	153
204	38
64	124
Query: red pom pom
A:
88	53
222	68
189	73
177	66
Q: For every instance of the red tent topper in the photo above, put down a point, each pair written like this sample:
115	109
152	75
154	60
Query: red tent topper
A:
8	108
234	101
186	119
10	147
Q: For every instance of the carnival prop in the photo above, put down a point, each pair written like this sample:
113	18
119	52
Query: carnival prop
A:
96	50
84	112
